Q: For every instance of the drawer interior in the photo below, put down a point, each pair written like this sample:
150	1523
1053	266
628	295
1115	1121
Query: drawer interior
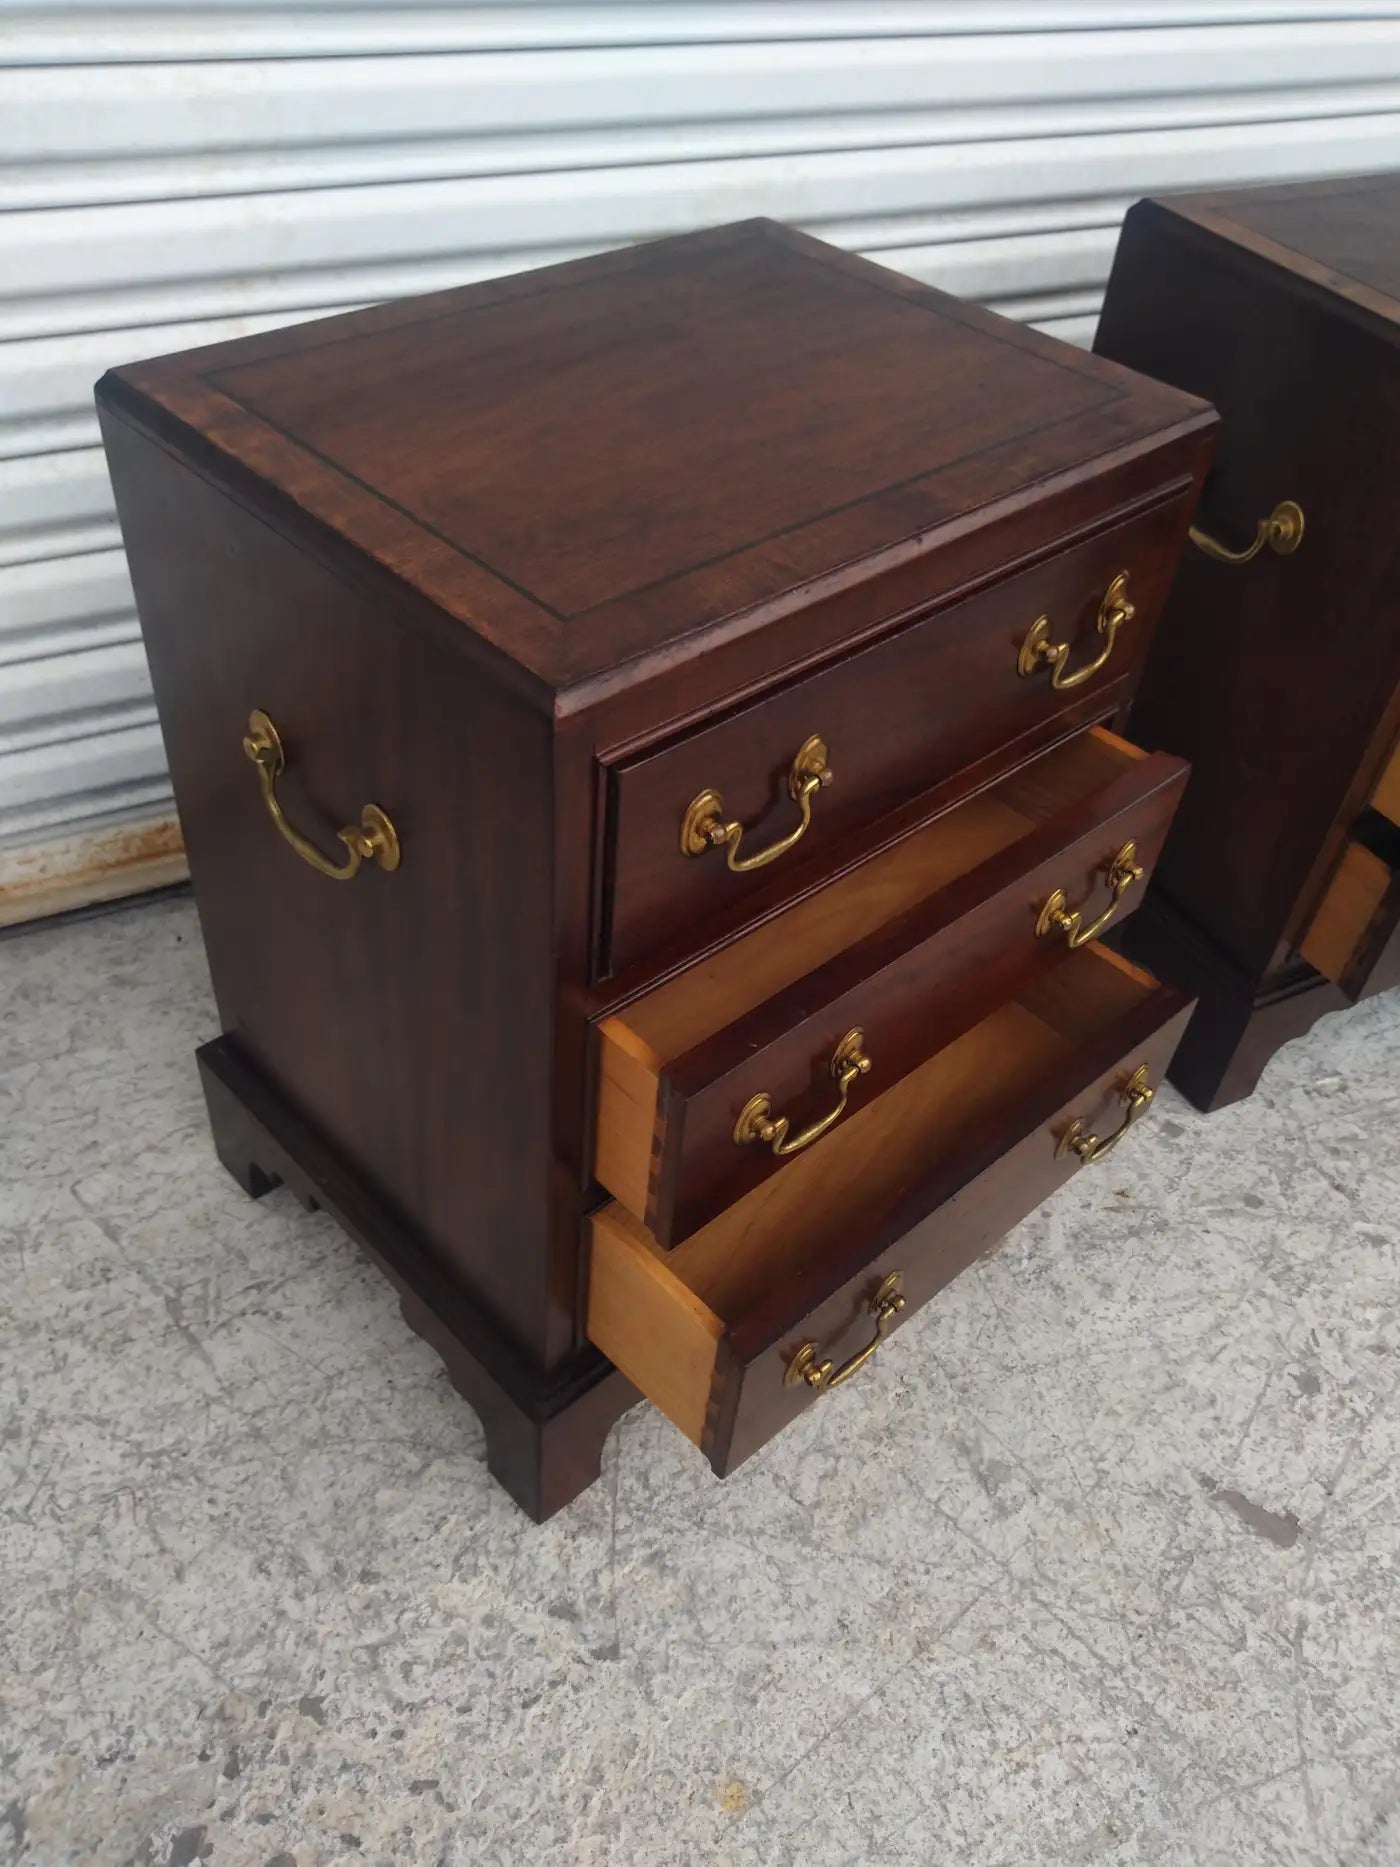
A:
636	1044
661	1315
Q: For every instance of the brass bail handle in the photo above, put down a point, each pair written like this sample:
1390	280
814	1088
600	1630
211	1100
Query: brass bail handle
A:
1136	1095
1038	651
1282	532
885	1305
703	825
758	1123
372	839
1123	872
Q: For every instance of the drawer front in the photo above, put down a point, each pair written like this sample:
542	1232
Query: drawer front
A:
681	1137
1354	937
745	1326
827	756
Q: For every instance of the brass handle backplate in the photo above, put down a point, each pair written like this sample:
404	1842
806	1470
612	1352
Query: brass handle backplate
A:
1123	871
758	1123
1282	532
372	839
1136	1095
1038	651
703	826
805	1366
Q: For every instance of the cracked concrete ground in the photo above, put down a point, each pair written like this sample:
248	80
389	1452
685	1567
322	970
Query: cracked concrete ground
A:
1096	1564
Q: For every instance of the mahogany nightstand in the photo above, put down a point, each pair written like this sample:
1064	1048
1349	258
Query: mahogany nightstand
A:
1277	672
714	654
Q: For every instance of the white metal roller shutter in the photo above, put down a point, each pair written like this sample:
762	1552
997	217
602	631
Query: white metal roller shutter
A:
171	174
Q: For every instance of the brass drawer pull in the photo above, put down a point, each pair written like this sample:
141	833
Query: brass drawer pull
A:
1282	532
756	1119
885	1305
1123	872
373	838
703	826
1137	1094
1038	651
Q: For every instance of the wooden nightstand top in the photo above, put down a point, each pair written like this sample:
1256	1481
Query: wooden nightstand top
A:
586	464
1342	235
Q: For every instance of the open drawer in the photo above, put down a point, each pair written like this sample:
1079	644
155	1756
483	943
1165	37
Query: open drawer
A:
760	1055
737	1330
1354	937
1386	796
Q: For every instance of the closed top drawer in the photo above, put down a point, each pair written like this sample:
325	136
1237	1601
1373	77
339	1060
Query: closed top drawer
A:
768	795
757	1056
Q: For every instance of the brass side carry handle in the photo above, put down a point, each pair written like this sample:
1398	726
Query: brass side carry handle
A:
703	826
885	1305
758	1123
373	838
1282	532
1038	651
1136	1094
1123	871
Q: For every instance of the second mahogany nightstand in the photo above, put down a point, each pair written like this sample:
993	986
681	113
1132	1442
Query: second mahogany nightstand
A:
1277	672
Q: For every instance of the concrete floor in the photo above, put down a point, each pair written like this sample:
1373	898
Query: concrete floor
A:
1096	1564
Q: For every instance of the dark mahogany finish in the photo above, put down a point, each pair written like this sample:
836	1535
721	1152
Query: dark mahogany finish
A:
501	560
1279	679
912	987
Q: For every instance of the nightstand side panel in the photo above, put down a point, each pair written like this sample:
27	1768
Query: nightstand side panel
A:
408	1015
1276	678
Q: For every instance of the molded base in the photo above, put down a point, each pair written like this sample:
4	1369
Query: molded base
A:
544	1435
1239	1022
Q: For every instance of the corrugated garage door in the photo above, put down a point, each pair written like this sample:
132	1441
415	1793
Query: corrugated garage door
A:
175	174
